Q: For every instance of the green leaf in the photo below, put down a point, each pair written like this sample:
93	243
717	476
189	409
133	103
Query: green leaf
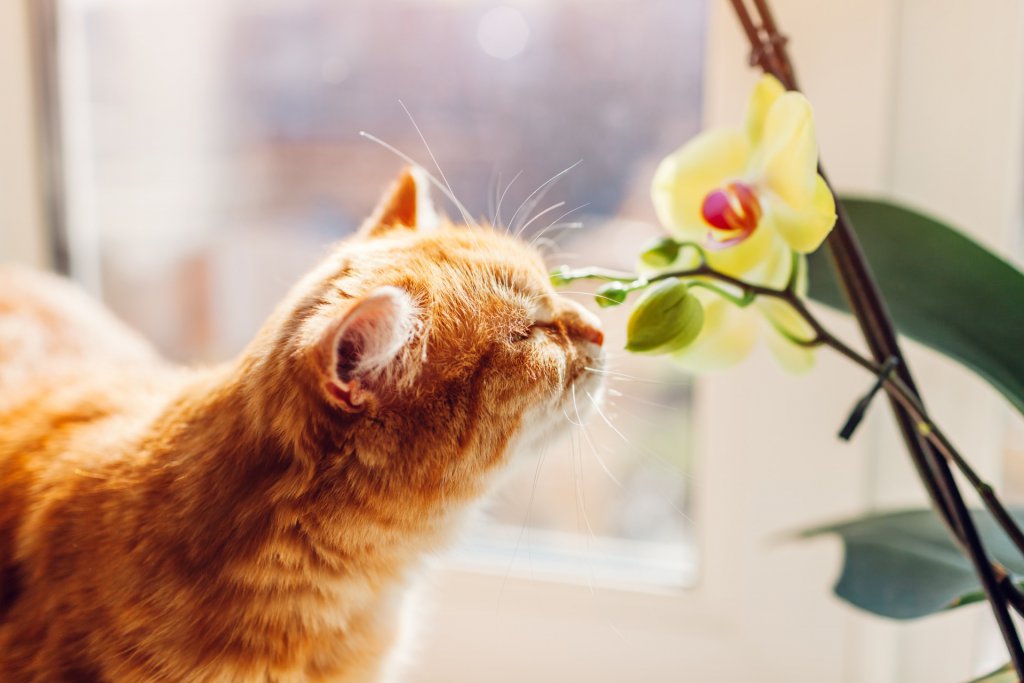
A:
904	565
943	290
1004	674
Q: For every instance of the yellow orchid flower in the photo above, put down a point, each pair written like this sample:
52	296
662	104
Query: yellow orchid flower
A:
752	198
749	194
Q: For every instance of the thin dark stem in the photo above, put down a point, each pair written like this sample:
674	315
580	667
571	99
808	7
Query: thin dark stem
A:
894	386
781	65
869	308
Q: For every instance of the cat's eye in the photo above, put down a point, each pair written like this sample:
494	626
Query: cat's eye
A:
523	333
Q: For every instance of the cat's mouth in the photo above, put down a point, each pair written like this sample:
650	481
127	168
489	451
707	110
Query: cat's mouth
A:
584	390
572	407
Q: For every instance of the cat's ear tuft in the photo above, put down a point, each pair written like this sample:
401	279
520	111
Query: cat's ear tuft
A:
364	347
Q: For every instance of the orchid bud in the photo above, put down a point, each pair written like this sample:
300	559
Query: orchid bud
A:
612	294
660	253
666	318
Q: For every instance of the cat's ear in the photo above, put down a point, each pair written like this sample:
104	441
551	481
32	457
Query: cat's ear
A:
361	351
405	205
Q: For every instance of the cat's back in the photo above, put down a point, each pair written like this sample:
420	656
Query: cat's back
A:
74	383
51	328
69	370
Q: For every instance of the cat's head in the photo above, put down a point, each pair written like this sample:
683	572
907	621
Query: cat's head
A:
441	342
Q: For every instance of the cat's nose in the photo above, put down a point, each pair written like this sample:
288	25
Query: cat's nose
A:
594	335
584	325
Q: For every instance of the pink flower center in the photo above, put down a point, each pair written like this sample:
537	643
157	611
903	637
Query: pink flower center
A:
732	208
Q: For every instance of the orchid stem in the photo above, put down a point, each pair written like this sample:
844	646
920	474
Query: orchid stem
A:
931	458
893	385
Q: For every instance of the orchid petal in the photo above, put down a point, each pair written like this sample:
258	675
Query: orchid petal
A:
684	179
727	337
786	324
792	357
789	154
805	229
747	256
766	92
785	319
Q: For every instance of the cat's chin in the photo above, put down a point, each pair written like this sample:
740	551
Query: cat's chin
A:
571	409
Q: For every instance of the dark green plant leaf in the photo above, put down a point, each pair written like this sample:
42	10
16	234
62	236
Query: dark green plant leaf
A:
903	565
1004	674
943	290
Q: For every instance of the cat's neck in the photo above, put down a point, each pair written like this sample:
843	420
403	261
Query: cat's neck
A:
252	476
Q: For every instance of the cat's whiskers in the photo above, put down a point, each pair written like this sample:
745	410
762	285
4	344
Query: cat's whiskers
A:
581	495
569	419
492	192
648	451
613	376
524	528
596	296
557	225
537	195
593	447
496	220
636	399
608	422
446	191
462	209
559	229
543	244
580	431
538	215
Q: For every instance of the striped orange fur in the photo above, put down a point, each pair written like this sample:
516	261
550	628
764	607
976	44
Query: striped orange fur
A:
261	520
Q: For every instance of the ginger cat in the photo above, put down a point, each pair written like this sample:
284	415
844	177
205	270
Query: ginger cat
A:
260	520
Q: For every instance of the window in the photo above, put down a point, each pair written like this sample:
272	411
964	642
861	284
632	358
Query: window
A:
212	152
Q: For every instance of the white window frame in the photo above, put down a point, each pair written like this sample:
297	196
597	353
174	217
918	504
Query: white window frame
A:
23	231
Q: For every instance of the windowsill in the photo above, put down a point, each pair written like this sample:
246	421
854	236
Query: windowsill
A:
593	561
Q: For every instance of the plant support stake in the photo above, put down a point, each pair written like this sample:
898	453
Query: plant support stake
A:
768	51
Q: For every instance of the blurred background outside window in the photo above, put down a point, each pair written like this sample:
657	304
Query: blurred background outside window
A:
212	153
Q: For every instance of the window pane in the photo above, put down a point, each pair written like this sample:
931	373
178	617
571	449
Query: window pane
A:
214	150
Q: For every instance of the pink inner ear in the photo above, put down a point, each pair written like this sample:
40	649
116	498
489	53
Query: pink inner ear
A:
371	336
346	359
